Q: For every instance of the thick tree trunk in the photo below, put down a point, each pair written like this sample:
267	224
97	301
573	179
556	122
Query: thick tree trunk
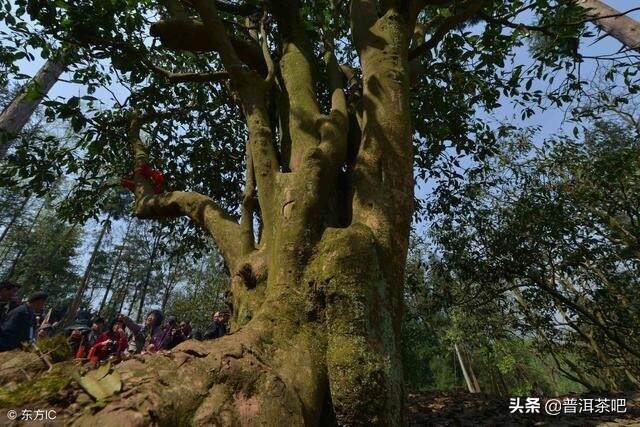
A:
16	115
277	369
318	300
623	28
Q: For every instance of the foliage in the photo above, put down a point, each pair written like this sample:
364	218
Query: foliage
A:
471	72
56	348
546	236
39	253
205	291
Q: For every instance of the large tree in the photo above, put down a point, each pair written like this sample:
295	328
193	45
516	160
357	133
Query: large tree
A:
328	109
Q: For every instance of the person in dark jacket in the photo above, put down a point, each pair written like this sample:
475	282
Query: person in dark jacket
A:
175	333
217	328
8	298
185	328
20	323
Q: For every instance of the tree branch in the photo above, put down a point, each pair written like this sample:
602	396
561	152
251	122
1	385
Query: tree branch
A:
298	69
616	24
271	68
449	24
248	204
193	36
244	9
518	26
172	77
334	129
204	211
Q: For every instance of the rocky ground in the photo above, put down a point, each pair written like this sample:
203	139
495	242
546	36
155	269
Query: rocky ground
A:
19	389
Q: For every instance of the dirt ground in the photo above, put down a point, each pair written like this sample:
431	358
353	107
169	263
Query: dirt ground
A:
465	409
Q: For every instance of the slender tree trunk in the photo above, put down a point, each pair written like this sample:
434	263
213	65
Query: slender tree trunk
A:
22	250
116	266
580	376
7	250
16	115
587	337
147	277
171	275
623	28
472	374
136	291
77	300
14	218
465	373
122	298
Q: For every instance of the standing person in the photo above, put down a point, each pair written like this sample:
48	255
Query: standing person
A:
217	328
20	323
151	336
8	298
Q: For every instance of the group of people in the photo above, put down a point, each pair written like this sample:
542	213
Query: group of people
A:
97	340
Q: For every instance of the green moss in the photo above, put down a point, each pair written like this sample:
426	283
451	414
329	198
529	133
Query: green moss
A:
56	347
42	388
362	358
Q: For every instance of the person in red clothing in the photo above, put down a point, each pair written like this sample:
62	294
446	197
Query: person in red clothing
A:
111	343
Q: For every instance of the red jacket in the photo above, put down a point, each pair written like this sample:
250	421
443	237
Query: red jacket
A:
101	350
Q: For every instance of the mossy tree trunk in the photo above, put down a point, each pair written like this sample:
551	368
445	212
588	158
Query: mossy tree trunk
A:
317	298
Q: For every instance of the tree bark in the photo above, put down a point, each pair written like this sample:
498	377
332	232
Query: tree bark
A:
621	27
318	299
16	115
